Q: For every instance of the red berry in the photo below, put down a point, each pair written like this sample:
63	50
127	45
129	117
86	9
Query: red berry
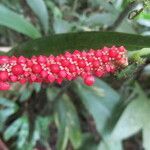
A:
64	63
4	86
51	78
81	63
62	74
23	81
44	74
72	68
22	60
105	58
17	70
13	78
112	53
13	59
89	80
33	78
59	80
36	68
54	68
41	59
3	75
4	59
95	63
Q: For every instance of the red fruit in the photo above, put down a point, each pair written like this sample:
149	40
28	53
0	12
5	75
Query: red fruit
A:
36	68
121	49
99	73
51	78
64	63
89	80
4	59
44	74
105	58
17	70
95	63
54	68
81	63
59	80
62	74
41	59
112	53
13	78
4	86
3	75
69	77
98	53
22	60
29	63
13	59
33	78
23	81
72	68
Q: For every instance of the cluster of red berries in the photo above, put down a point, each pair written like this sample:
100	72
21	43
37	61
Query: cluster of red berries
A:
49	69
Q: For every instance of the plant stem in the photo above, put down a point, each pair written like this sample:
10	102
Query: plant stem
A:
122	16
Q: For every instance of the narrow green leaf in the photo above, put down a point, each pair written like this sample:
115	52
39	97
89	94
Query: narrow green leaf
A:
7	102
4	114
23	133
13	129
134	118
59	43
25	94
146	135
69	121
100	100
39	8
17	22
110	144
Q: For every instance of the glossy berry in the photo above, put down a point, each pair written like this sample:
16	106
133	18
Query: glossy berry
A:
4	86
3	75
36	68
68	66
89	80
17	70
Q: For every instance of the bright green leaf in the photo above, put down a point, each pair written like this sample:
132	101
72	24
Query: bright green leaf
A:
25	94
6	102
17	22
134	118
68	122
100	100
23	133
110	144
13	129
39	8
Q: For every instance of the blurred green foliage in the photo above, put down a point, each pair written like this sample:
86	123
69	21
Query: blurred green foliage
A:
74	116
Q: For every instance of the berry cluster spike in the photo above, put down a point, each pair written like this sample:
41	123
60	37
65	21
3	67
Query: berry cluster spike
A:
67	66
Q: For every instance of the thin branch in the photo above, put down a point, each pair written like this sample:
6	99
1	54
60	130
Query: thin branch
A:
122	15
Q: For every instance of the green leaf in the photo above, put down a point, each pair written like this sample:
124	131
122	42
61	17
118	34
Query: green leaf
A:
146	136
25	94
6	102
89	142
4	114
100	100
23	133
68	124
110	144
17	22
59	43
39	8
13	129
134	118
